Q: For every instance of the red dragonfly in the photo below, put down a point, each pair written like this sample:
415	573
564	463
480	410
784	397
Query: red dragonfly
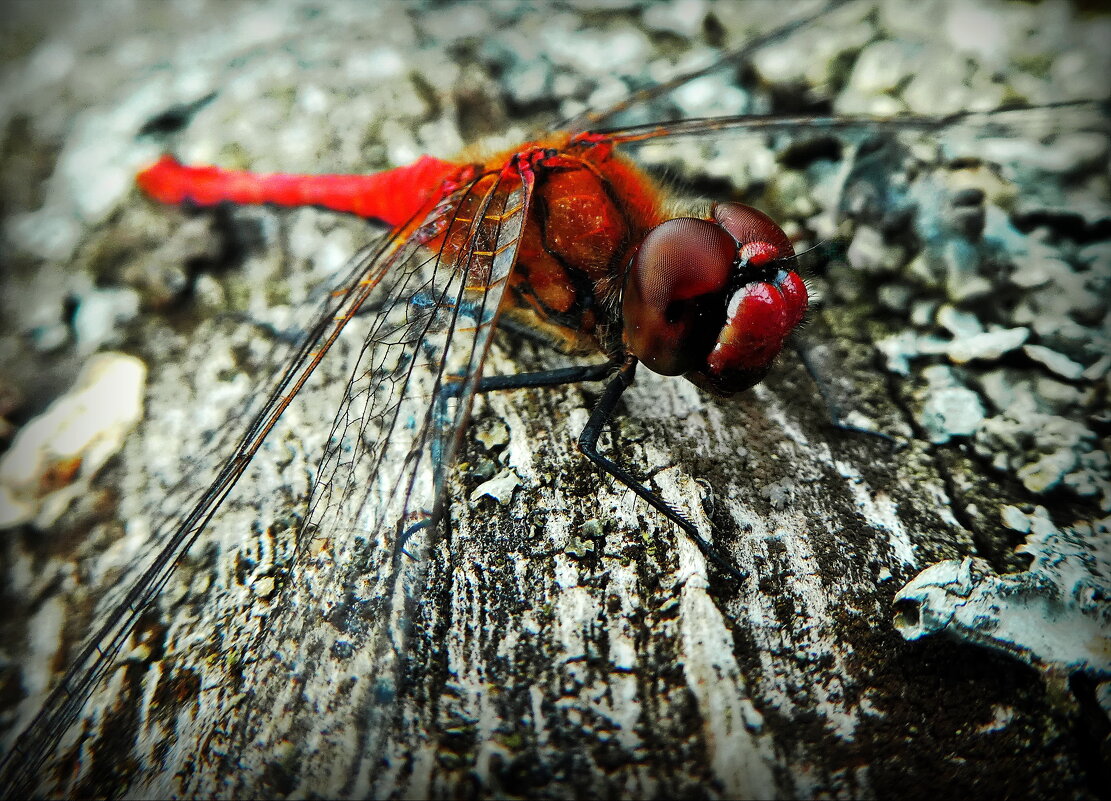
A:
563	236
600	268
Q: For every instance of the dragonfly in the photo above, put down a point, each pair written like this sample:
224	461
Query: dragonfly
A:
460	241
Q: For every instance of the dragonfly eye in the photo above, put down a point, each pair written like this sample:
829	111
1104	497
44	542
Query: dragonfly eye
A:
713	299
675	280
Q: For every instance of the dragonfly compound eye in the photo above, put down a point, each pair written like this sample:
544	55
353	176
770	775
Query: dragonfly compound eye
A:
713	299
673	292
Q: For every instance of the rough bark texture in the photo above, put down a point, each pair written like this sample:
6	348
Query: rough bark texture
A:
565	640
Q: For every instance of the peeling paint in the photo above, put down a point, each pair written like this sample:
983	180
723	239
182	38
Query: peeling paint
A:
1055	616
500	487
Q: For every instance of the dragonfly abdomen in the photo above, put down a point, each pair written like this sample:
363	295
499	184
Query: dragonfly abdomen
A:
393	196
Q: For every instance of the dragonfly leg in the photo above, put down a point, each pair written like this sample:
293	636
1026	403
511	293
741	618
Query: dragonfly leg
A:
408	532
175	118
542	378
819	374
548	378
588	445
454	385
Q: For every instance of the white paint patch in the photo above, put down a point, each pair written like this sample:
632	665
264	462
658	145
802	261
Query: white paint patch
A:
881	511
676	488
774	410
573	608
786	651
44	635
1055	616
1001	717
743	758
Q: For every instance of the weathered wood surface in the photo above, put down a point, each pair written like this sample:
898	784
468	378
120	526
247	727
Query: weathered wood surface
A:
565	640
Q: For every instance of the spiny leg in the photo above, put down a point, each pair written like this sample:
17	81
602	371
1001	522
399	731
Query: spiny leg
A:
548	378
534	380
588	439
588	445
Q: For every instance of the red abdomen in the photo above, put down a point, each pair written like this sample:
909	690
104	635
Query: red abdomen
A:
394	196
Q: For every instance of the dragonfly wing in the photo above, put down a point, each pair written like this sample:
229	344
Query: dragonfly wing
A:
380	477
1092	118
335	649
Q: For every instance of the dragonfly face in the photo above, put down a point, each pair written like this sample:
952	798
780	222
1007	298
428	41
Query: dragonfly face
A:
715	299
712	299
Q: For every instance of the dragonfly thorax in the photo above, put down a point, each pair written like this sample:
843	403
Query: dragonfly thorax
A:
589	210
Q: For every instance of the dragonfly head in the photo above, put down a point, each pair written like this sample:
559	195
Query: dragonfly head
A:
714	300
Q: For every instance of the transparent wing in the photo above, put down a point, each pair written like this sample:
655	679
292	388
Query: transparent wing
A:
1096	118
343	624
414	319
592	119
